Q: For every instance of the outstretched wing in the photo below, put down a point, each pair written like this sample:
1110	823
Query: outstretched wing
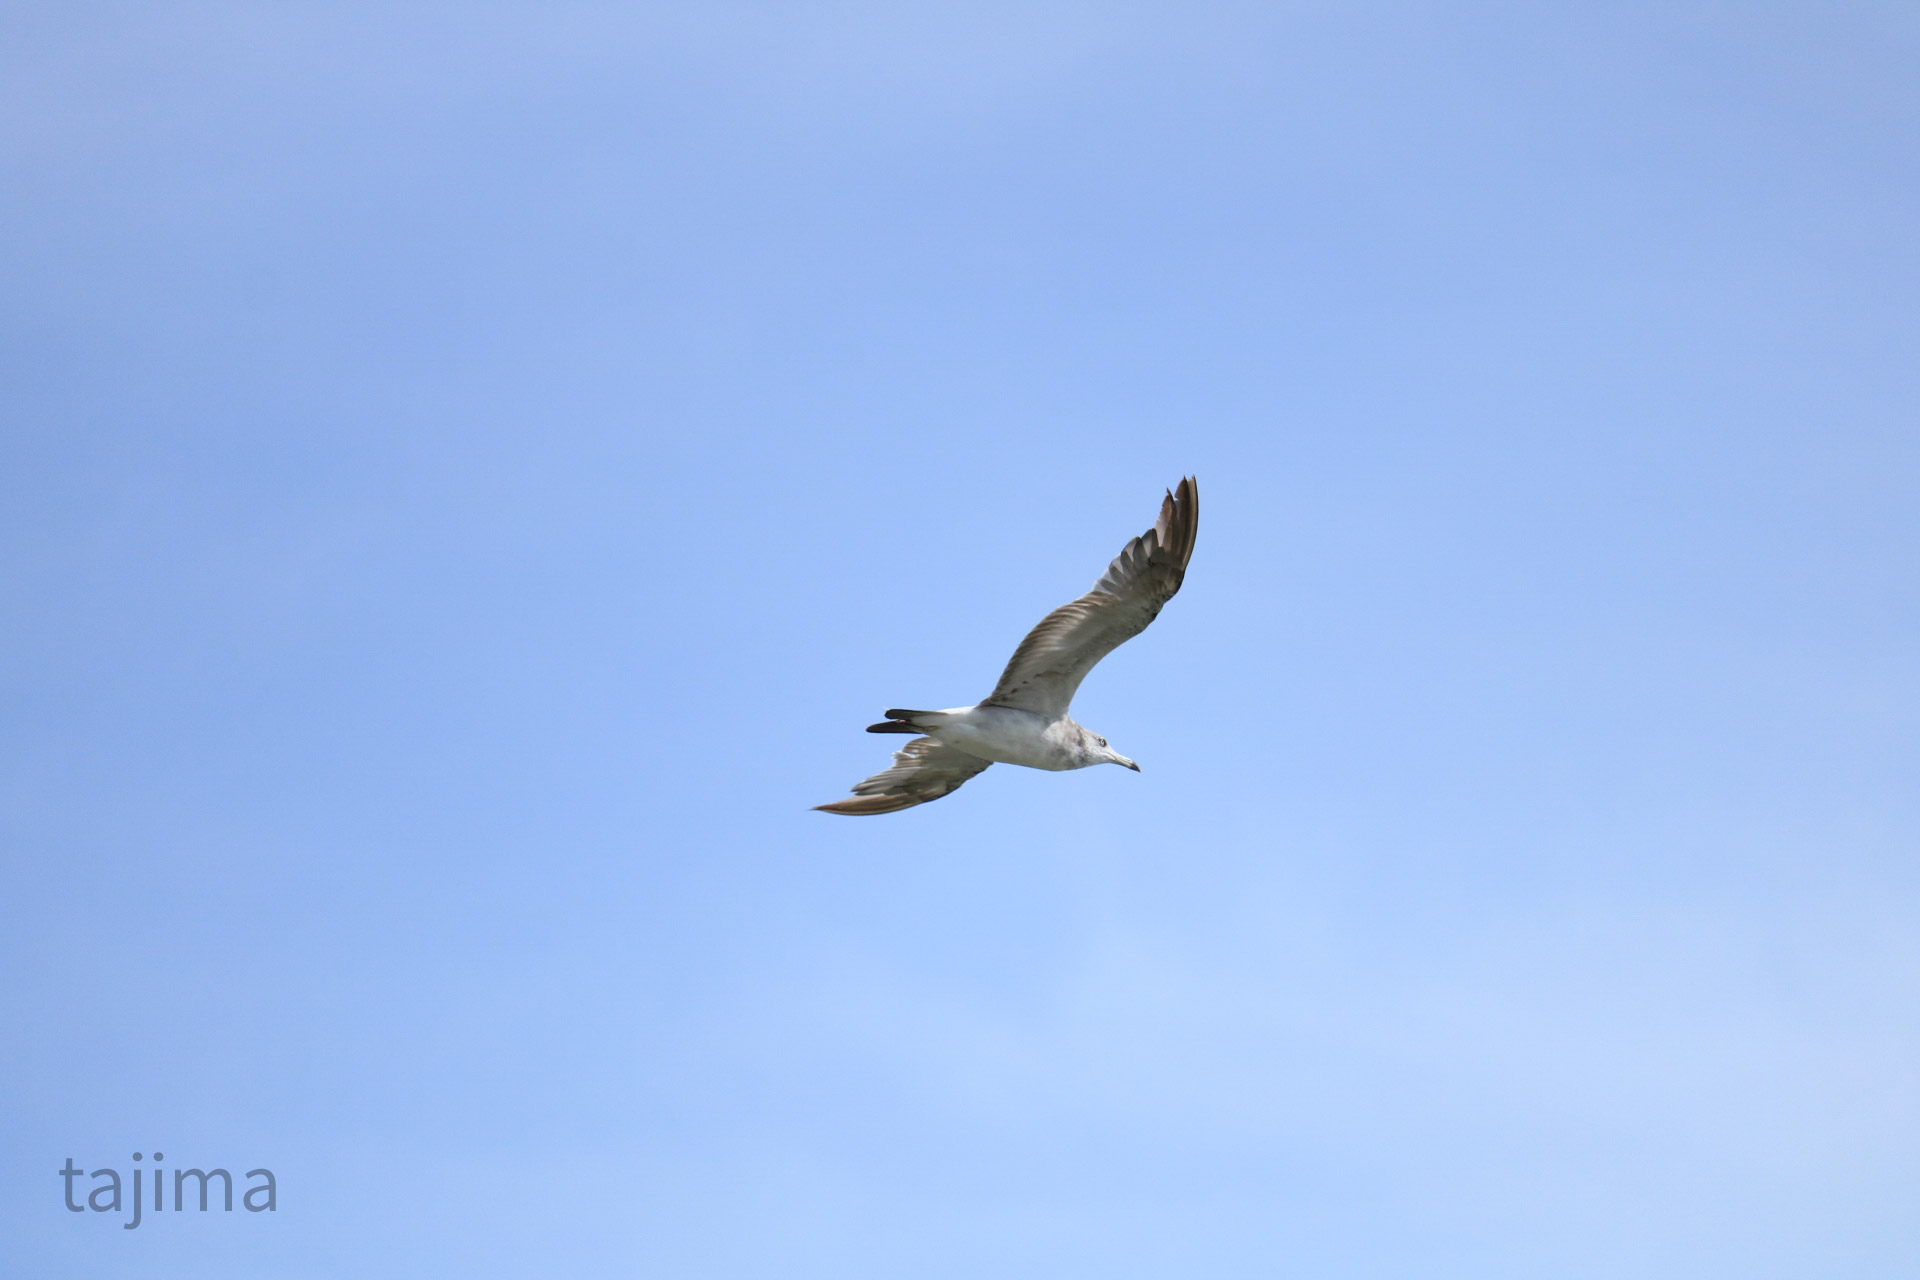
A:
922	770
1056	655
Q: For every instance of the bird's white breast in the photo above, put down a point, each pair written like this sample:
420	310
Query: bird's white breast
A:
1010	737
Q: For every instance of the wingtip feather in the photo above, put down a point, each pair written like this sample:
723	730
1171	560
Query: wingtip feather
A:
1180	516
861	806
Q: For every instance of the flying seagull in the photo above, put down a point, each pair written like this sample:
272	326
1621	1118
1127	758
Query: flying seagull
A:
1024	720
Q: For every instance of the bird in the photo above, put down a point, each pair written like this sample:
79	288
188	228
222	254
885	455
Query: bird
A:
1024	720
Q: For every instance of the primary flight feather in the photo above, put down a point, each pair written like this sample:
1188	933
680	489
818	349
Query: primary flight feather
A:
1024	720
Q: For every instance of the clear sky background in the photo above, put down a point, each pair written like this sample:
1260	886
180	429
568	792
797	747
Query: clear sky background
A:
470	471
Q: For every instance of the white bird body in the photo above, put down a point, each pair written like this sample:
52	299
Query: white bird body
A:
1024	720
1009	735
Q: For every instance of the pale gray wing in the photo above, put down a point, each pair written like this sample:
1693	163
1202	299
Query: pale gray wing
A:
1056	655
922	770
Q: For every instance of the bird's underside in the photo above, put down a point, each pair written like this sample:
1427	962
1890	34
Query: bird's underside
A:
1024	720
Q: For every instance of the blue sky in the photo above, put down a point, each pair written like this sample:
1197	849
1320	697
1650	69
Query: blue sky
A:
469	472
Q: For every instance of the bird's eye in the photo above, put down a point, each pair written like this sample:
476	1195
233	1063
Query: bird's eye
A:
1101	741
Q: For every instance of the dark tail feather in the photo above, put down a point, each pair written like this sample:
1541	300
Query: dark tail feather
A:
898	721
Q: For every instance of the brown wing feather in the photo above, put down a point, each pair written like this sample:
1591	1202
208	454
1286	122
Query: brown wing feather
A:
922	770
1047	668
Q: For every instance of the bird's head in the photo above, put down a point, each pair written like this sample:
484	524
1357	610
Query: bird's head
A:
1098	752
